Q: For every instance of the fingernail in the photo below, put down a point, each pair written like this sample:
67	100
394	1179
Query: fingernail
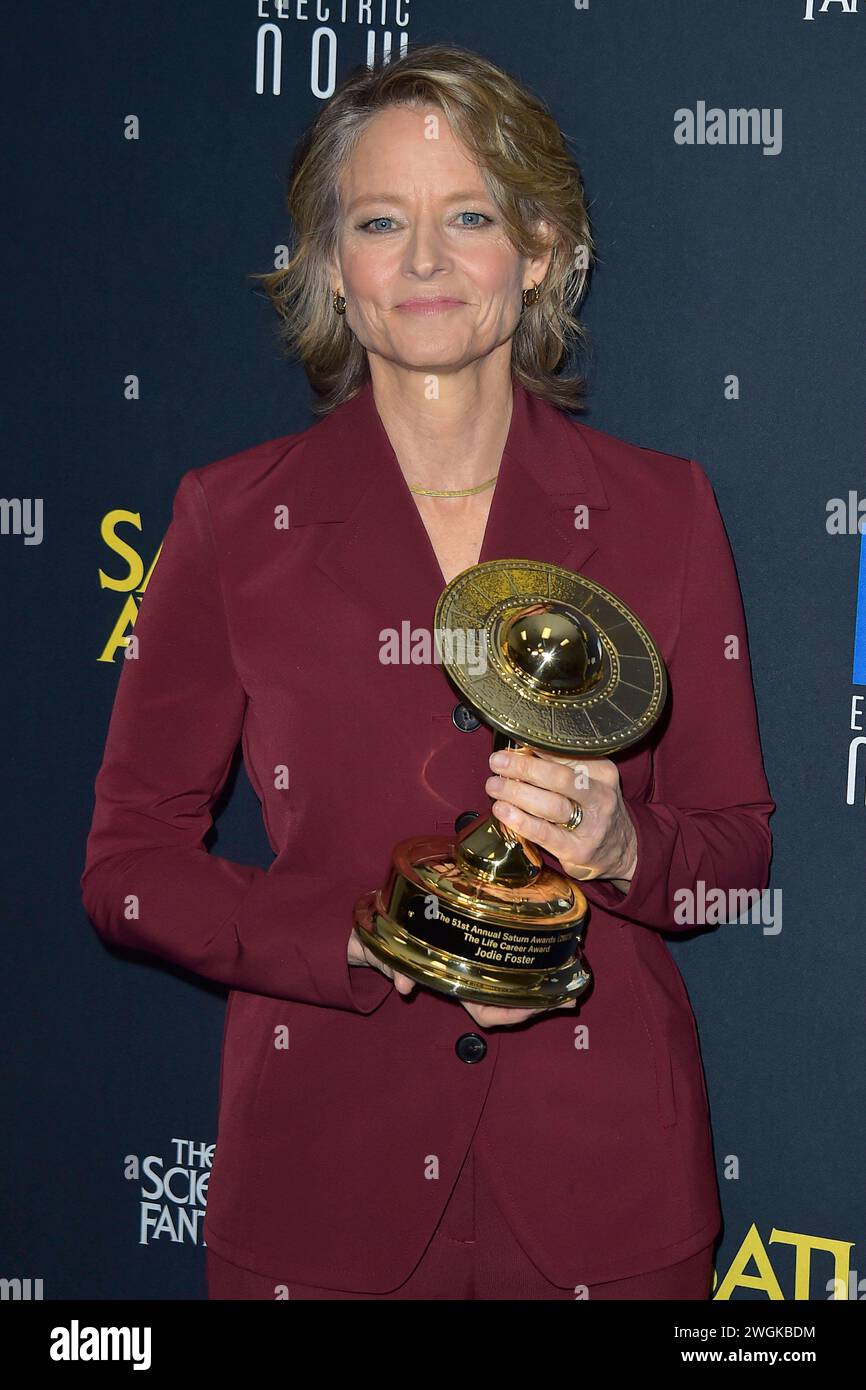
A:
498	760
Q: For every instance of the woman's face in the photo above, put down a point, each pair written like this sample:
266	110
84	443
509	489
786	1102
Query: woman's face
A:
418	225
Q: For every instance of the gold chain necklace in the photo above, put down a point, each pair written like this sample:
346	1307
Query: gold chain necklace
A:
456	492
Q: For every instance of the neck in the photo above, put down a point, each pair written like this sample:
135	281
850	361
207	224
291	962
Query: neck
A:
455	440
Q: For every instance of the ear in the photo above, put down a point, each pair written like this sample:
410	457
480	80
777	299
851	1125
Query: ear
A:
538	266
335	275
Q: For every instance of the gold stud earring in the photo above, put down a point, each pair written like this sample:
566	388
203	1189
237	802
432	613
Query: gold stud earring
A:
339	302
531	296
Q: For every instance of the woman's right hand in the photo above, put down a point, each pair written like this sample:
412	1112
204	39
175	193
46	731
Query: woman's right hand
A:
358	954
500	1016
486	1015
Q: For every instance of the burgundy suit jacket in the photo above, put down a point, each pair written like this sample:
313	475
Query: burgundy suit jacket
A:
336	1154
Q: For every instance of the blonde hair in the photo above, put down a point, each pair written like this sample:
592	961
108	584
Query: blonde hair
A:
529	173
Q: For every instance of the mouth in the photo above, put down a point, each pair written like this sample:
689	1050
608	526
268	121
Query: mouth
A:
438	305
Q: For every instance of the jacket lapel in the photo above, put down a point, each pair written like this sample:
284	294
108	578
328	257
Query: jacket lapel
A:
548	504
548	490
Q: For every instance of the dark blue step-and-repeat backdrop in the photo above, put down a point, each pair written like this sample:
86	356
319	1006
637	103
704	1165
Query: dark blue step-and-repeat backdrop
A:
144	170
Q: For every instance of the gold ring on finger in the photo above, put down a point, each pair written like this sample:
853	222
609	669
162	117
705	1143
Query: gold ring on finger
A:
574	819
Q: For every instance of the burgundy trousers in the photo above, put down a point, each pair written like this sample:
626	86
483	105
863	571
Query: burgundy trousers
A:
473	1254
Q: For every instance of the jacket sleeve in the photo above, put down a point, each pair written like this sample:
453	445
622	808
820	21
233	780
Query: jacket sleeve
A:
148	881
708	815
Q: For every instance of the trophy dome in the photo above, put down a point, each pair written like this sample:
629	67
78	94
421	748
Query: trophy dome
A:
555	647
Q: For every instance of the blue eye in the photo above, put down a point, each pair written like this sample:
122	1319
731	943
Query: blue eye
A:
368	226
475	214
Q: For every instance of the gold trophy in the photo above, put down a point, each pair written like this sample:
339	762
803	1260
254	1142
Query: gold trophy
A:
567	668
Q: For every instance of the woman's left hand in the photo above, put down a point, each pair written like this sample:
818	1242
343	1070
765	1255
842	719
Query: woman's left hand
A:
535	793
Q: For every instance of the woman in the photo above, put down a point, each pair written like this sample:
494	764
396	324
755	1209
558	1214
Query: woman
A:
377	1139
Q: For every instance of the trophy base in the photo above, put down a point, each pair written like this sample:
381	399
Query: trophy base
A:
454	933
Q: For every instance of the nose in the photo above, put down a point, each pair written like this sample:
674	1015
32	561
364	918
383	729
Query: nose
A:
426	248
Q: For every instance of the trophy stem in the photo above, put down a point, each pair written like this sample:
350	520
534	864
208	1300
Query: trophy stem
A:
494	852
